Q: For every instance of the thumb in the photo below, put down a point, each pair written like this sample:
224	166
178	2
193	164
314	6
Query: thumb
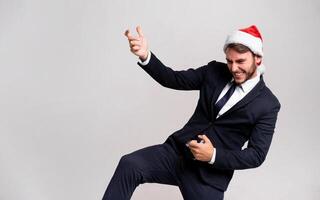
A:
139	30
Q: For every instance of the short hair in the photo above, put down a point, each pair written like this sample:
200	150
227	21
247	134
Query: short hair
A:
240	48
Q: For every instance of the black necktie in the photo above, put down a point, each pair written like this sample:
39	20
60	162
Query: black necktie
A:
224	99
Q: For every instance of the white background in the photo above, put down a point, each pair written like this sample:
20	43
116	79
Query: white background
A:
73	100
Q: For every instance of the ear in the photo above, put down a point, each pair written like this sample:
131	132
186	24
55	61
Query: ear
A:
258	60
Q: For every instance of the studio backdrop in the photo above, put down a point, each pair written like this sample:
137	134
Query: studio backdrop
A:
73	99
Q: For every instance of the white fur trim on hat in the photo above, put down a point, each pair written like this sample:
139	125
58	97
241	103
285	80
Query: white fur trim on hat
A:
252	42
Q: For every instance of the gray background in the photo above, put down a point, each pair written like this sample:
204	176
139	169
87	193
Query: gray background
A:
73	100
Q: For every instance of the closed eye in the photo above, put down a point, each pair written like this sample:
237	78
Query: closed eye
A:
240	61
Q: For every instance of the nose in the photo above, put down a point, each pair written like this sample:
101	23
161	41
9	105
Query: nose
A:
233	67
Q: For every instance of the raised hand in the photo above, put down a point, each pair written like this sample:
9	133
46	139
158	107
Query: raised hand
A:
138	44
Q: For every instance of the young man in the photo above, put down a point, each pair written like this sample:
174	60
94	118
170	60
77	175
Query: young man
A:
235	106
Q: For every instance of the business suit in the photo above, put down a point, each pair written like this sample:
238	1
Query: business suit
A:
252	119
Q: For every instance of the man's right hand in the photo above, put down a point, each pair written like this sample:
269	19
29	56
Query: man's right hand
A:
138	45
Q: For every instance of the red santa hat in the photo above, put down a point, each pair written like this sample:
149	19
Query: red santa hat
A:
251	38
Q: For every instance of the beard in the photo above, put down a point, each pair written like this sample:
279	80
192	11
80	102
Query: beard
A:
245	75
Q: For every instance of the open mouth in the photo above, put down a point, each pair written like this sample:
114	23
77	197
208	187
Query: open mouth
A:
238	74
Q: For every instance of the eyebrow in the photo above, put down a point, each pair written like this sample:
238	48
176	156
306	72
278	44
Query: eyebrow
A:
241	60
238	60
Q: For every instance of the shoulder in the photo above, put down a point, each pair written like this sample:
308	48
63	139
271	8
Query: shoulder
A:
269	100
218	69
218	66
271	97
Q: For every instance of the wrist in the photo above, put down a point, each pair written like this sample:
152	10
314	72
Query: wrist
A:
144	57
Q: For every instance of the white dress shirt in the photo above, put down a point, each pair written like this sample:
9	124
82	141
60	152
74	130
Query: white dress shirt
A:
240	91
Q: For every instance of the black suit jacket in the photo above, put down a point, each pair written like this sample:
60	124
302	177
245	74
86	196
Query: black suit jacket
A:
252	119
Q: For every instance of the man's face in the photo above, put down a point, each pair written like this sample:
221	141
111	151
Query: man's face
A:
243	66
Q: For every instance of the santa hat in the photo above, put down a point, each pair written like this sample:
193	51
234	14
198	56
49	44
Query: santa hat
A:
251	38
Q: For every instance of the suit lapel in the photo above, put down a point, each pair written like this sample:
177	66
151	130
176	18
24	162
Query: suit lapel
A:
217	93
248	98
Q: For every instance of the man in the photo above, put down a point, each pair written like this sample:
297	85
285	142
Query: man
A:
235	106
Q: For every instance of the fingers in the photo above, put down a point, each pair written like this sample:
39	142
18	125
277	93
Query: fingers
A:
128	34
194	152
134	42
197	154
130	37
135	45
204	138
139	31
193	144
201	151
138	44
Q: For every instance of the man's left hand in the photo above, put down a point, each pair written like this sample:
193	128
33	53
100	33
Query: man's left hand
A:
202	151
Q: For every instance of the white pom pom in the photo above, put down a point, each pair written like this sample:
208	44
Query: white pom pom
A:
261	69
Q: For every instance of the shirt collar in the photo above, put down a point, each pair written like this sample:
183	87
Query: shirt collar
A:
249	84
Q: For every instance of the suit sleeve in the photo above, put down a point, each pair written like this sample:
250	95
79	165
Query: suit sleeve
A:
257	149
190	79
